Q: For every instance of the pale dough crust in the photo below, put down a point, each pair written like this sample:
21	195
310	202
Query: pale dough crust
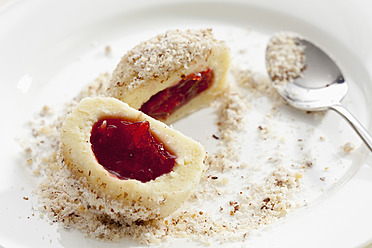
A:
159	63
134	199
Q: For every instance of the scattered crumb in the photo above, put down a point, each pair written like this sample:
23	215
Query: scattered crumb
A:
348	147
108	50
231	109
309	163
46	111
257	83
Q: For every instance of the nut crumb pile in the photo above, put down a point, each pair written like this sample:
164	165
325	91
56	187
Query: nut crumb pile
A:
285	57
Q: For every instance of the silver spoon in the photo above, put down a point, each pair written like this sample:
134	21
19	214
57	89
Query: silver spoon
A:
308	79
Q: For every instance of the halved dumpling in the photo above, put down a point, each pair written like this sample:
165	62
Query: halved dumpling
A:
145	168
173	74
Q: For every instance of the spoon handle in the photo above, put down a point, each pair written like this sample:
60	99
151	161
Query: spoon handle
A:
361	131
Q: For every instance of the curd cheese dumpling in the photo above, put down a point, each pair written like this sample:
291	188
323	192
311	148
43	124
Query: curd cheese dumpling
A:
144	167
173	74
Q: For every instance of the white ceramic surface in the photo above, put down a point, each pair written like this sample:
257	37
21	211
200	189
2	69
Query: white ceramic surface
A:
50	49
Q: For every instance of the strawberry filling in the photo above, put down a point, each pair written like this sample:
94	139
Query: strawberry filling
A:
129	150
165	102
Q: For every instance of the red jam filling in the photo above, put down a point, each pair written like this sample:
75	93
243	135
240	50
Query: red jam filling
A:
170	99
129	150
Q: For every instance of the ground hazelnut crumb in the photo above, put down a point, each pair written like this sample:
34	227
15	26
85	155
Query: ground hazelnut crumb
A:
285	57
348	147
46	111
108	50
309	163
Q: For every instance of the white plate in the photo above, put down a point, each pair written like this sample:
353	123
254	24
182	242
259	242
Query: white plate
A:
50	49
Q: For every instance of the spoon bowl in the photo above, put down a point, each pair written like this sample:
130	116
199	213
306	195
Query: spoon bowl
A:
318	83
321	85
